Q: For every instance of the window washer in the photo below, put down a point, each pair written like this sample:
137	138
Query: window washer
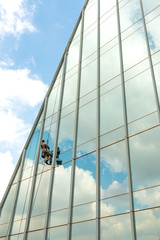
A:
46	152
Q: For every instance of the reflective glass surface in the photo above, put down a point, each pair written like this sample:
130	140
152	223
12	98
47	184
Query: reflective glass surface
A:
129	60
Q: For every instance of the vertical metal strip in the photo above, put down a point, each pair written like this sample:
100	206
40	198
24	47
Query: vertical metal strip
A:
70	210
16	195
55	149
130	185
35	171
150	62
98	128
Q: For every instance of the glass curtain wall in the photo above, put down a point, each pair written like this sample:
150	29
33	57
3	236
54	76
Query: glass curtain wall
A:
64	197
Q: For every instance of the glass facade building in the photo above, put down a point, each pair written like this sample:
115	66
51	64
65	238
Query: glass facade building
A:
103	111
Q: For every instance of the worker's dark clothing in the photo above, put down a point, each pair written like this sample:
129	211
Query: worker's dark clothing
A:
46	151
58	152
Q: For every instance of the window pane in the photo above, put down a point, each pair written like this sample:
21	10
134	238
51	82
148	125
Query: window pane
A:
147	224
35	235
84	231
144	102
118	227
61	187
114	170
8	205
41	192
85	179
58	233
66	133
84	212
22	205
145	162
87	123
58	218
109	58
115	205
111	114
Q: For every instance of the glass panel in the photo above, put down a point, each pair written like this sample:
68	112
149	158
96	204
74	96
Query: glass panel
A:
58	218
90	14
107	7
118	227
53	100
144	102
66	137
148	6
84	212
73	53
147	198
35	235
115	205
109	58
130	14
18	226
111	114
70	91
112	137
76	36
84	231
8	205
3	230
85	179
137	69
147	224
86	148
58	233
145	162
30	156
143	123
89	44
61	187
37	222
88	78
16	237
87	123
109	28
153	34
41	193
22	205
16	177
114	170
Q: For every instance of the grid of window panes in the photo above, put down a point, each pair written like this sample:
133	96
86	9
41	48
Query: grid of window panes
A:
72	108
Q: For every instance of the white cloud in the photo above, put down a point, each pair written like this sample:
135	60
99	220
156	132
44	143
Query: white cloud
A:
12	128
19	85
6	171
15	17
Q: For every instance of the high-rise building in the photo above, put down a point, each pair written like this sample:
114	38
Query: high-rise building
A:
103	111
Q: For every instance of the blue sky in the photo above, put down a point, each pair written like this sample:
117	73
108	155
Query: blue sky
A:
33	36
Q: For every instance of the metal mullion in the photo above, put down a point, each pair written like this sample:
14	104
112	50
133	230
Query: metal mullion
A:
98	128
70	211
55	148
130	185
16	195
150	61
35	171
